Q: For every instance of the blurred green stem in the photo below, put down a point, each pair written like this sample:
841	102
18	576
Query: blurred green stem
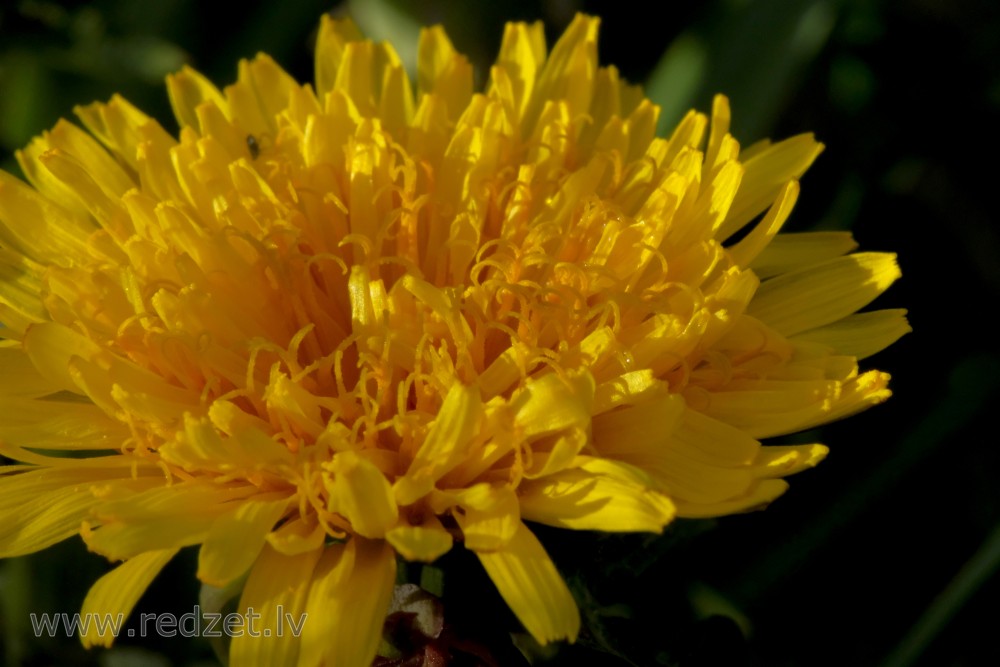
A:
976	571
15	593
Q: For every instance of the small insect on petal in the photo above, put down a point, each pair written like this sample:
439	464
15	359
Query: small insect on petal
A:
253	146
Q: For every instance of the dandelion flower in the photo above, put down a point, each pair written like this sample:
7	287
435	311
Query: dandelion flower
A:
328	325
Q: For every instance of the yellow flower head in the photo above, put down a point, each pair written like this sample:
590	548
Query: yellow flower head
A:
328	325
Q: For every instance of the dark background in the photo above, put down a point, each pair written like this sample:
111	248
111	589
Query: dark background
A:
884	555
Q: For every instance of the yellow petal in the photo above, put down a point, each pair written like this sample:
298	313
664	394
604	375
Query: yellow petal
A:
214	124
443	306
442	71
721	117
750	246
489	518
272	86
604	495
38	228
50	347
187	89
446	443
396	105
765	174
76	143
696	458
87	190
420	543
795	302
550	403
334	36
691	480
791	251
356	76
503	372
641	127
717	197
645	426
277	588
522	52
297	535
861	335
20	291
199	446
118	125
359	492
115	594
13	323
687	135
783	460
59	425
43	507
703	439
139	470
48	184
758	496
554	452
18	376
153	152
773	408
532	587
569	72
163	517
859	394
119	540
234	540
348	600
627	389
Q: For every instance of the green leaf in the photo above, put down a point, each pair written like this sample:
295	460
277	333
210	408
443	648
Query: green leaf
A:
753	52
677	80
